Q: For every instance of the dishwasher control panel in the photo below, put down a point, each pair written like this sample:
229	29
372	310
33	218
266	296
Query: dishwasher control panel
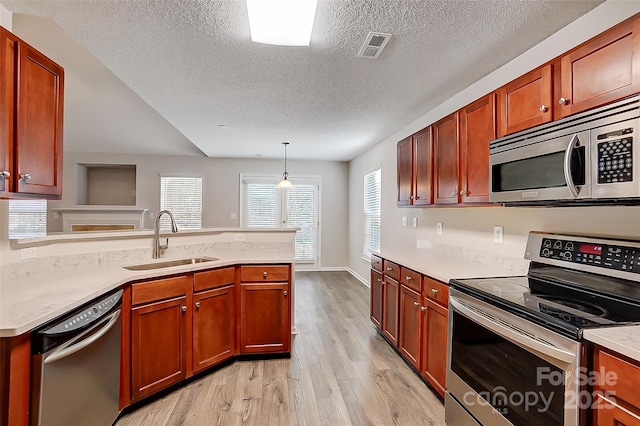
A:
85	316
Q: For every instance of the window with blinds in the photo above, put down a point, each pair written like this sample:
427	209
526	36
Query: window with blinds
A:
182	196
264	206
371	212
27	218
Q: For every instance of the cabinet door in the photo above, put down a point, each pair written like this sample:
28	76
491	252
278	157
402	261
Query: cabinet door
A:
405	161
409	339
423	168
525	102
265	318
477	129
434	344
610	413
377	288
445	146
158	346
605	69
213	327
390	309
8	55
39	123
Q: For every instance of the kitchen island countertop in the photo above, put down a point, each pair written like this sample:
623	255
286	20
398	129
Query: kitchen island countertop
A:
624	340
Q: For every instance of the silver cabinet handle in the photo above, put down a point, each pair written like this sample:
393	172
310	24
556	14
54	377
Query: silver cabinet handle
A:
453	194
563	101
379	280
5	174
26	176
264	274
197	306
434	290
184	308
424	308
463	192
389	268
408	278
544	108
285	293
416	304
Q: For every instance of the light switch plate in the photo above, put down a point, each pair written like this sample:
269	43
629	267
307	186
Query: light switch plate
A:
404	221
439	228
415	222
498	234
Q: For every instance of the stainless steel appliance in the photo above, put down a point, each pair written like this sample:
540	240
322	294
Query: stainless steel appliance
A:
76	366
515	353
590	157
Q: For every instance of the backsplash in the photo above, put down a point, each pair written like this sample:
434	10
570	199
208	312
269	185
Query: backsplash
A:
130	256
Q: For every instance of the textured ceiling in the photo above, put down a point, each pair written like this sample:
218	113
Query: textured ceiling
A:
193	62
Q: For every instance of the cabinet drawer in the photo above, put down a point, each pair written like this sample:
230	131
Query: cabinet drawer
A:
152	291
625	385
436	291
264	273
391	270
213	279
376	263
411	279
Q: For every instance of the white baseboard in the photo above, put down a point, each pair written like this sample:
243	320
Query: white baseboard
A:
364	281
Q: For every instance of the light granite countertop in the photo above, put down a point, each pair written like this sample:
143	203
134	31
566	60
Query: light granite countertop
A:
32	300
624	340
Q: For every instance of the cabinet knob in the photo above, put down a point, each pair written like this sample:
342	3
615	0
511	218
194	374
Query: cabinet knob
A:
453	194
197	306
416	304
563	101
434	290
463	192
389	268
415	197
544	108
184	308
285	293
5	174
424	308
264	275
26	176
379	280
408	278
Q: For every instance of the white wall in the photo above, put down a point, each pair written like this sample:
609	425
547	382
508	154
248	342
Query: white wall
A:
6	18
473	227
221	190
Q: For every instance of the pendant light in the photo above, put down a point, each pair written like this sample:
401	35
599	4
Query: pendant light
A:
285	183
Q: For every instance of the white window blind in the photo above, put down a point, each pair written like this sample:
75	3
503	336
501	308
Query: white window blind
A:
182	196
27	218
302	213
371	212
261	206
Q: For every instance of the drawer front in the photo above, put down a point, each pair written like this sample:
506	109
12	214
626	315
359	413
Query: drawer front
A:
212	279
391	270
411	279
619	377
156	290
436	291
376	263
266	273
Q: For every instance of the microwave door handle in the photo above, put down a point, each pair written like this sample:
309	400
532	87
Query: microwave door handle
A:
567	166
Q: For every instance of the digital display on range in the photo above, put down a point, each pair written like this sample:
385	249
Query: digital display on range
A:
590	249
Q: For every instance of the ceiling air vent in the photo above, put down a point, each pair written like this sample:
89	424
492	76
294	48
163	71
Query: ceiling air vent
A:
373	45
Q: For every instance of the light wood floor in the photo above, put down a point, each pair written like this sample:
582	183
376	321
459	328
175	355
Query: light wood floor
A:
341	372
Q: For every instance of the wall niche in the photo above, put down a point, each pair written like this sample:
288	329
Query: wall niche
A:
106	184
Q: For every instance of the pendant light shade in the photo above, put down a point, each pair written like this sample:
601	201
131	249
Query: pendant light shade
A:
285	183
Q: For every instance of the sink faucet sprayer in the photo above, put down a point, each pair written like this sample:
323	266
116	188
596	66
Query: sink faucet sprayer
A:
157	248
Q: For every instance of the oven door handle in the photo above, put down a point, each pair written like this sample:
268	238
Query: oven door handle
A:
512	334
567	166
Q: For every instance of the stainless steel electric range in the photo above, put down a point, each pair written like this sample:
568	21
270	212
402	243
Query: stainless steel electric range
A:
515	353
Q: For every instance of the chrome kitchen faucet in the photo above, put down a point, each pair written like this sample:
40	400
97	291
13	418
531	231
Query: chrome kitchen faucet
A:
157	248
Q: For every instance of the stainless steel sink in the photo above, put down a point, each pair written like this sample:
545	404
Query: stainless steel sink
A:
170	263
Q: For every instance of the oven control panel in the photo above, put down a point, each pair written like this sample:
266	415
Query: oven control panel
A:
607	256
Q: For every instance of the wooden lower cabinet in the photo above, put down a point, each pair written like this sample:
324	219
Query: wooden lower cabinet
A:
214	327
434	344
264	318
159	340
390	317
377	290
410	325
618	402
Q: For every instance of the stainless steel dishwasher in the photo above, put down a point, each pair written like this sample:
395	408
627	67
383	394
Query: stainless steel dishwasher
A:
76	366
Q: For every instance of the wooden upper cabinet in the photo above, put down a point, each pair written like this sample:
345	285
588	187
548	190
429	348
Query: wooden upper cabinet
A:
526	101
405	177
477	129
445	156
422	168
603	70
32	117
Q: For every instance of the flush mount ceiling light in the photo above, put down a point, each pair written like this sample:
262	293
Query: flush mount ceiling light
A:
285	183
281	22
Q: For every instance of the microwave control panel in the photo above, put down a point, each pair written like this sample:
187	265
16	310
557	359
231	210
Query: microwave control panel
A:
608	256
615	157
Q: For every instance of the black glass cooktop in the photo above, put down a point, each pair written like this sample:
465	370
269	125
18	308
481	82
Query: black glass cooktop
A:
563	300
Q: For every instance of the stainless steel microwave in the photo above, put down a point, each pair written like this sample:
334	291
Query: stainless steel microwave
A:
590	157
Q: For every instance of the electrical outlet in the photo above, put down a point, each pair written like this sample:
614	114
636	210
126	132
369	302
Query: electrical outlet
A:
415	222
439	228
28	253
498	234
404	221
